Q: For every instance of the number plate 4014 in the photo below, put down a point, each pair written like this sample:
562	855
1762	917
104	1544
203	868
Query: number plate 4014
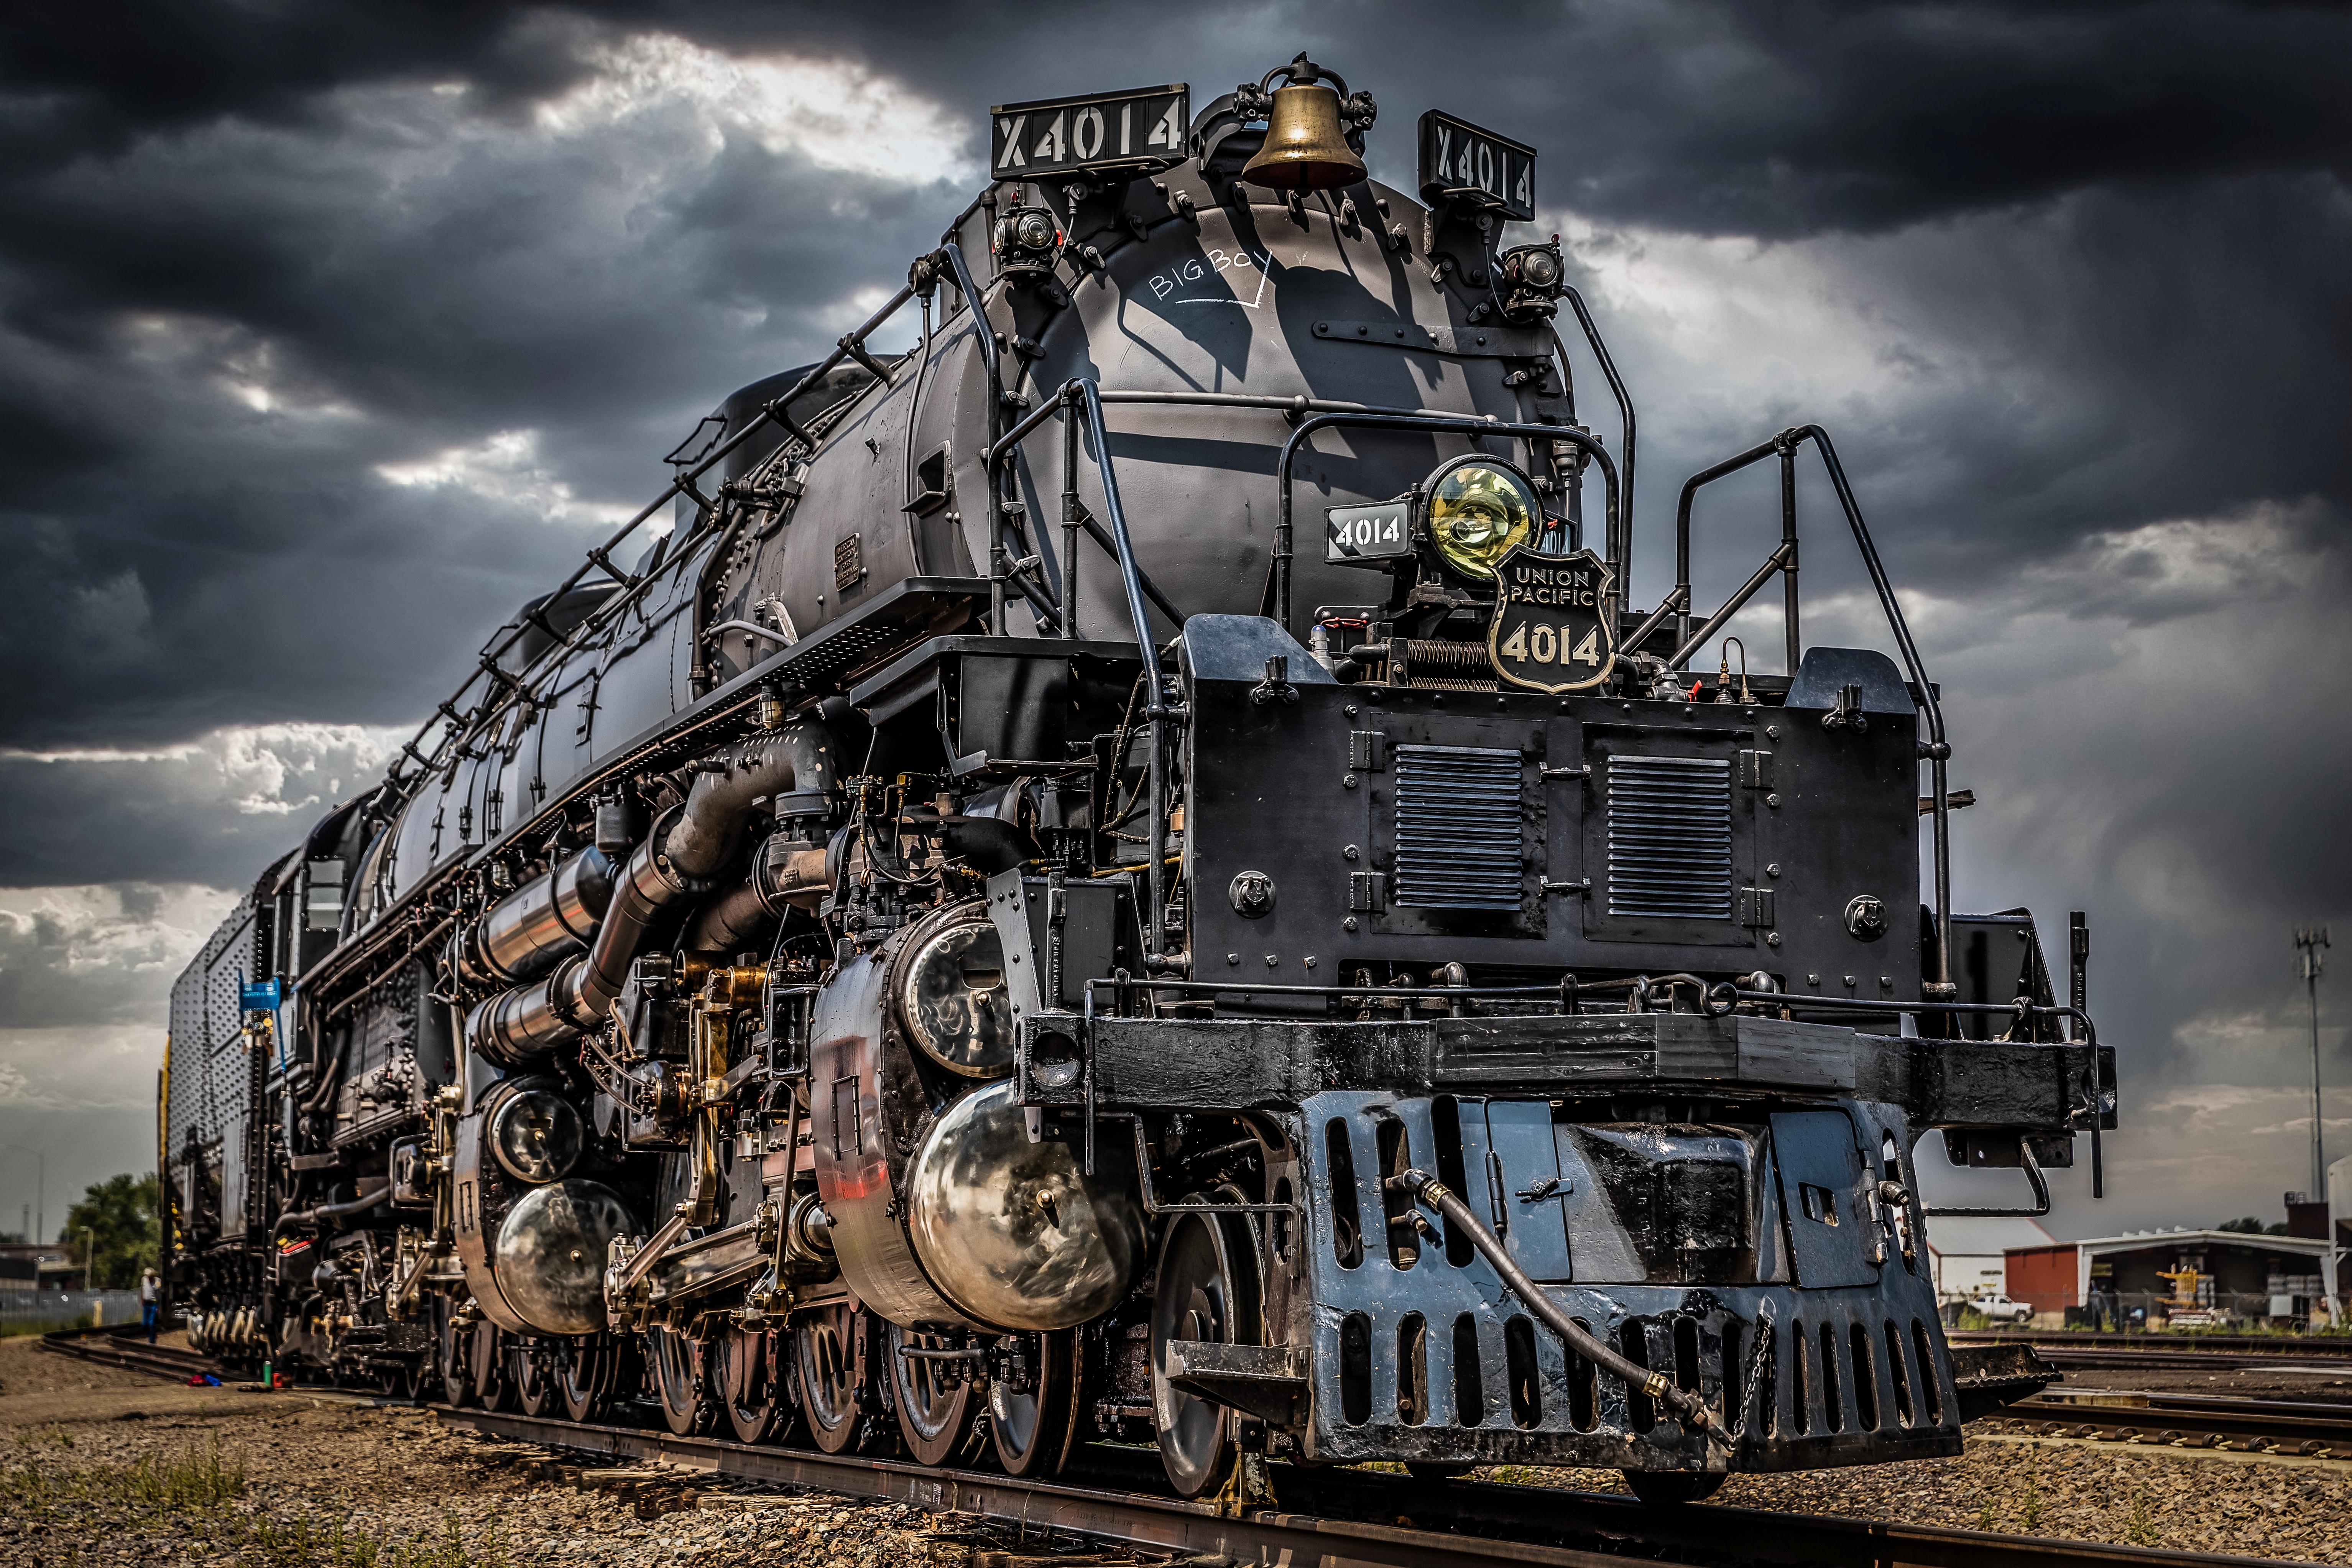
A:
1379	533
1553	628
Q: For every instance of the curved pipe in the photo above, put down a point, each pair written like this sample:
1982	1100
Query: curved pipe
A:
690	846
733	922
360	1204
1682	1402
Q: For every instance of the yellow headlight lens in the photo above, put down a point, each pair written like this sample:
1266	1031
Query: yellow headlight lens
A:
1477	513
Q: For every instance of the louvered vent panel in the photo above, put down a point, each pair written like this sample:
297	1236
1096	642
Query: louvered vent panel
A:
1457	828
1670	838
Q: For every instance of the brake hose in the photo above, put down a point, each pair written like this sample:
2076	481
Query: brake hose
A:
1684	1403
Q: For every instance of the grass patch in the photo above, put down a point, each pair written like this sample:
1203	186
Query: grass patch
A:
152	1489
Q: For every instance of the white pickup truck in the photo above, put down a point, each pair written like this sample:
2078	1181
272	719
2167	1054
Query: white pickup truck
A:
2000	1309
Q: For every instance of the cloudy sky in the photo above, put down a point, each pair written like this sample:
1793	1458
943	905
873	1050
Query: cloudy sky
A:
329	332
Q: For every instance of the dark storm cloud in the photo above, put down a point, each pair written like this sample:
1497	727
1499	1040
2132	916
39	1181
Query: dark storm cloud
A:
390	280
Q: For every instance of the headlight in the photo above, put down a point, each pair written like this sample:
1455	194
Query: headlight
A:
1479	509
953	1002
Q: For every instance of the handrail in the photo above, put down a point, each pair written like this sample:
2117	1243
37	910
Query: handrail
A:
852	345
1082	396
1937	749
600	556
1446	424
1620	549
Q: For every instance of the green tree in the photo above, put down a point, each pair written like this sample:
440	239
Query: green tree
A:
120	1213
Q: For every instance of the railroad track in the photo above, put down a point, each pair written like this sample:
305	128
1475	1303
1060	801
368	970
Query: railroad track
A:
2187	1421
2308	1345
1345	1519
1362	1520
2214	1353
113	1347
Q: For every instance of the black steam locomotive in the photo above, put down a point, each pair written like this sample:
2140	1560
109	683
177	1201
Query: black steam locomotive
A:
987	933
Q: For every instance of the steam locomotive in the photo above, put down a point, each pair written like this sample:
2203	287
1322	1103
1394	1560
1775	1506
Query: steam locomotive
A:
964	929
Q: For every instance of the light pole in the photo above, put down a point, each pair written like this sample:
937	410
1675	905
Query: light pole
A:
40	1188
89	1255
2310	943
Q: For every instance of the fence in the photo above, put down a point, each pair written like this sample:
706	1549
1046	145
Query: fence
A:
39	1311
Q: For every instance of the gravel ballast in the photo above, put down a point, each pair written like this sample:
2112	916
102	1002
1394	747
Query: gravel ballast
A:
100	1466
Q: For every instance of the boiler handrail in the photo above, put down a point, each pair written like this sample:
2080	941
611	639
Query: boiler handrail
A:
1453	423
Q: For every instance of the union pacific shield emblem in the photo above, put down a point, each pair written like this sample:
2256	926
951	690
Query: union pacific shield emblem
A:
1554	621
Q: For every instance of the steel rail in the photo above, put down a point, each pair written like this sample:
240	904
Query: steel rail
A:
2194	1421
1453	1524
2199	1361
107	1348
2205	1348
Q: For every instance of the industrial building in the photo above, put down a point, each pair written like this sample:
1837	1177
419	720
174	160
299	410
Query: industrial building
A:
2171	1274
1970	1255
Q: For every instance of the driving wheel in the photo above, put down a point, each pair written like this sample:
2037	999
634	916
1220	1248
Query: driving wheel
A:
1207	1291
831	1375
1033	1413
529	1367
746	1381
933	1396
584	1378
485	1357
670	1358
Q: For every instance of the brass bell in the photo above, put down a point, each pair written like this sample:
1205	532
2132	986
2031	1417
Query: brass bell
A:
1304	149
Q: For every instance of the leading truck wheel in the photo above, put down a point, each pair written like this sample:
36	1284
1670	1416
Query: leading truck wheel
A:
831	1376
530	1366
670	1364
1033	1427
1207	1291
584	1381
486	1359
933	1398
450	1362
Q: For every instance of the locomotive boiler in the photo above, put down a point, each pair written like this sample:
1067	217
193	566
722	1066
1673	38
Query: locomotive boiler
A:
1133	870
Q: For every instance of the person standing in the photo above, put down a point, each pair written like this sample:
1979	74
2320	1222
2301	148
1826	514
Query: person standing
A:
151	1302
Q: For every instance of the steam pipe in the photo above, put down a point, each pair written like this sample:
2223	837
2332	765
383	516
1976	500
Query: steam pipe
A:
691	847
1684	1403
734	919
360	1204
